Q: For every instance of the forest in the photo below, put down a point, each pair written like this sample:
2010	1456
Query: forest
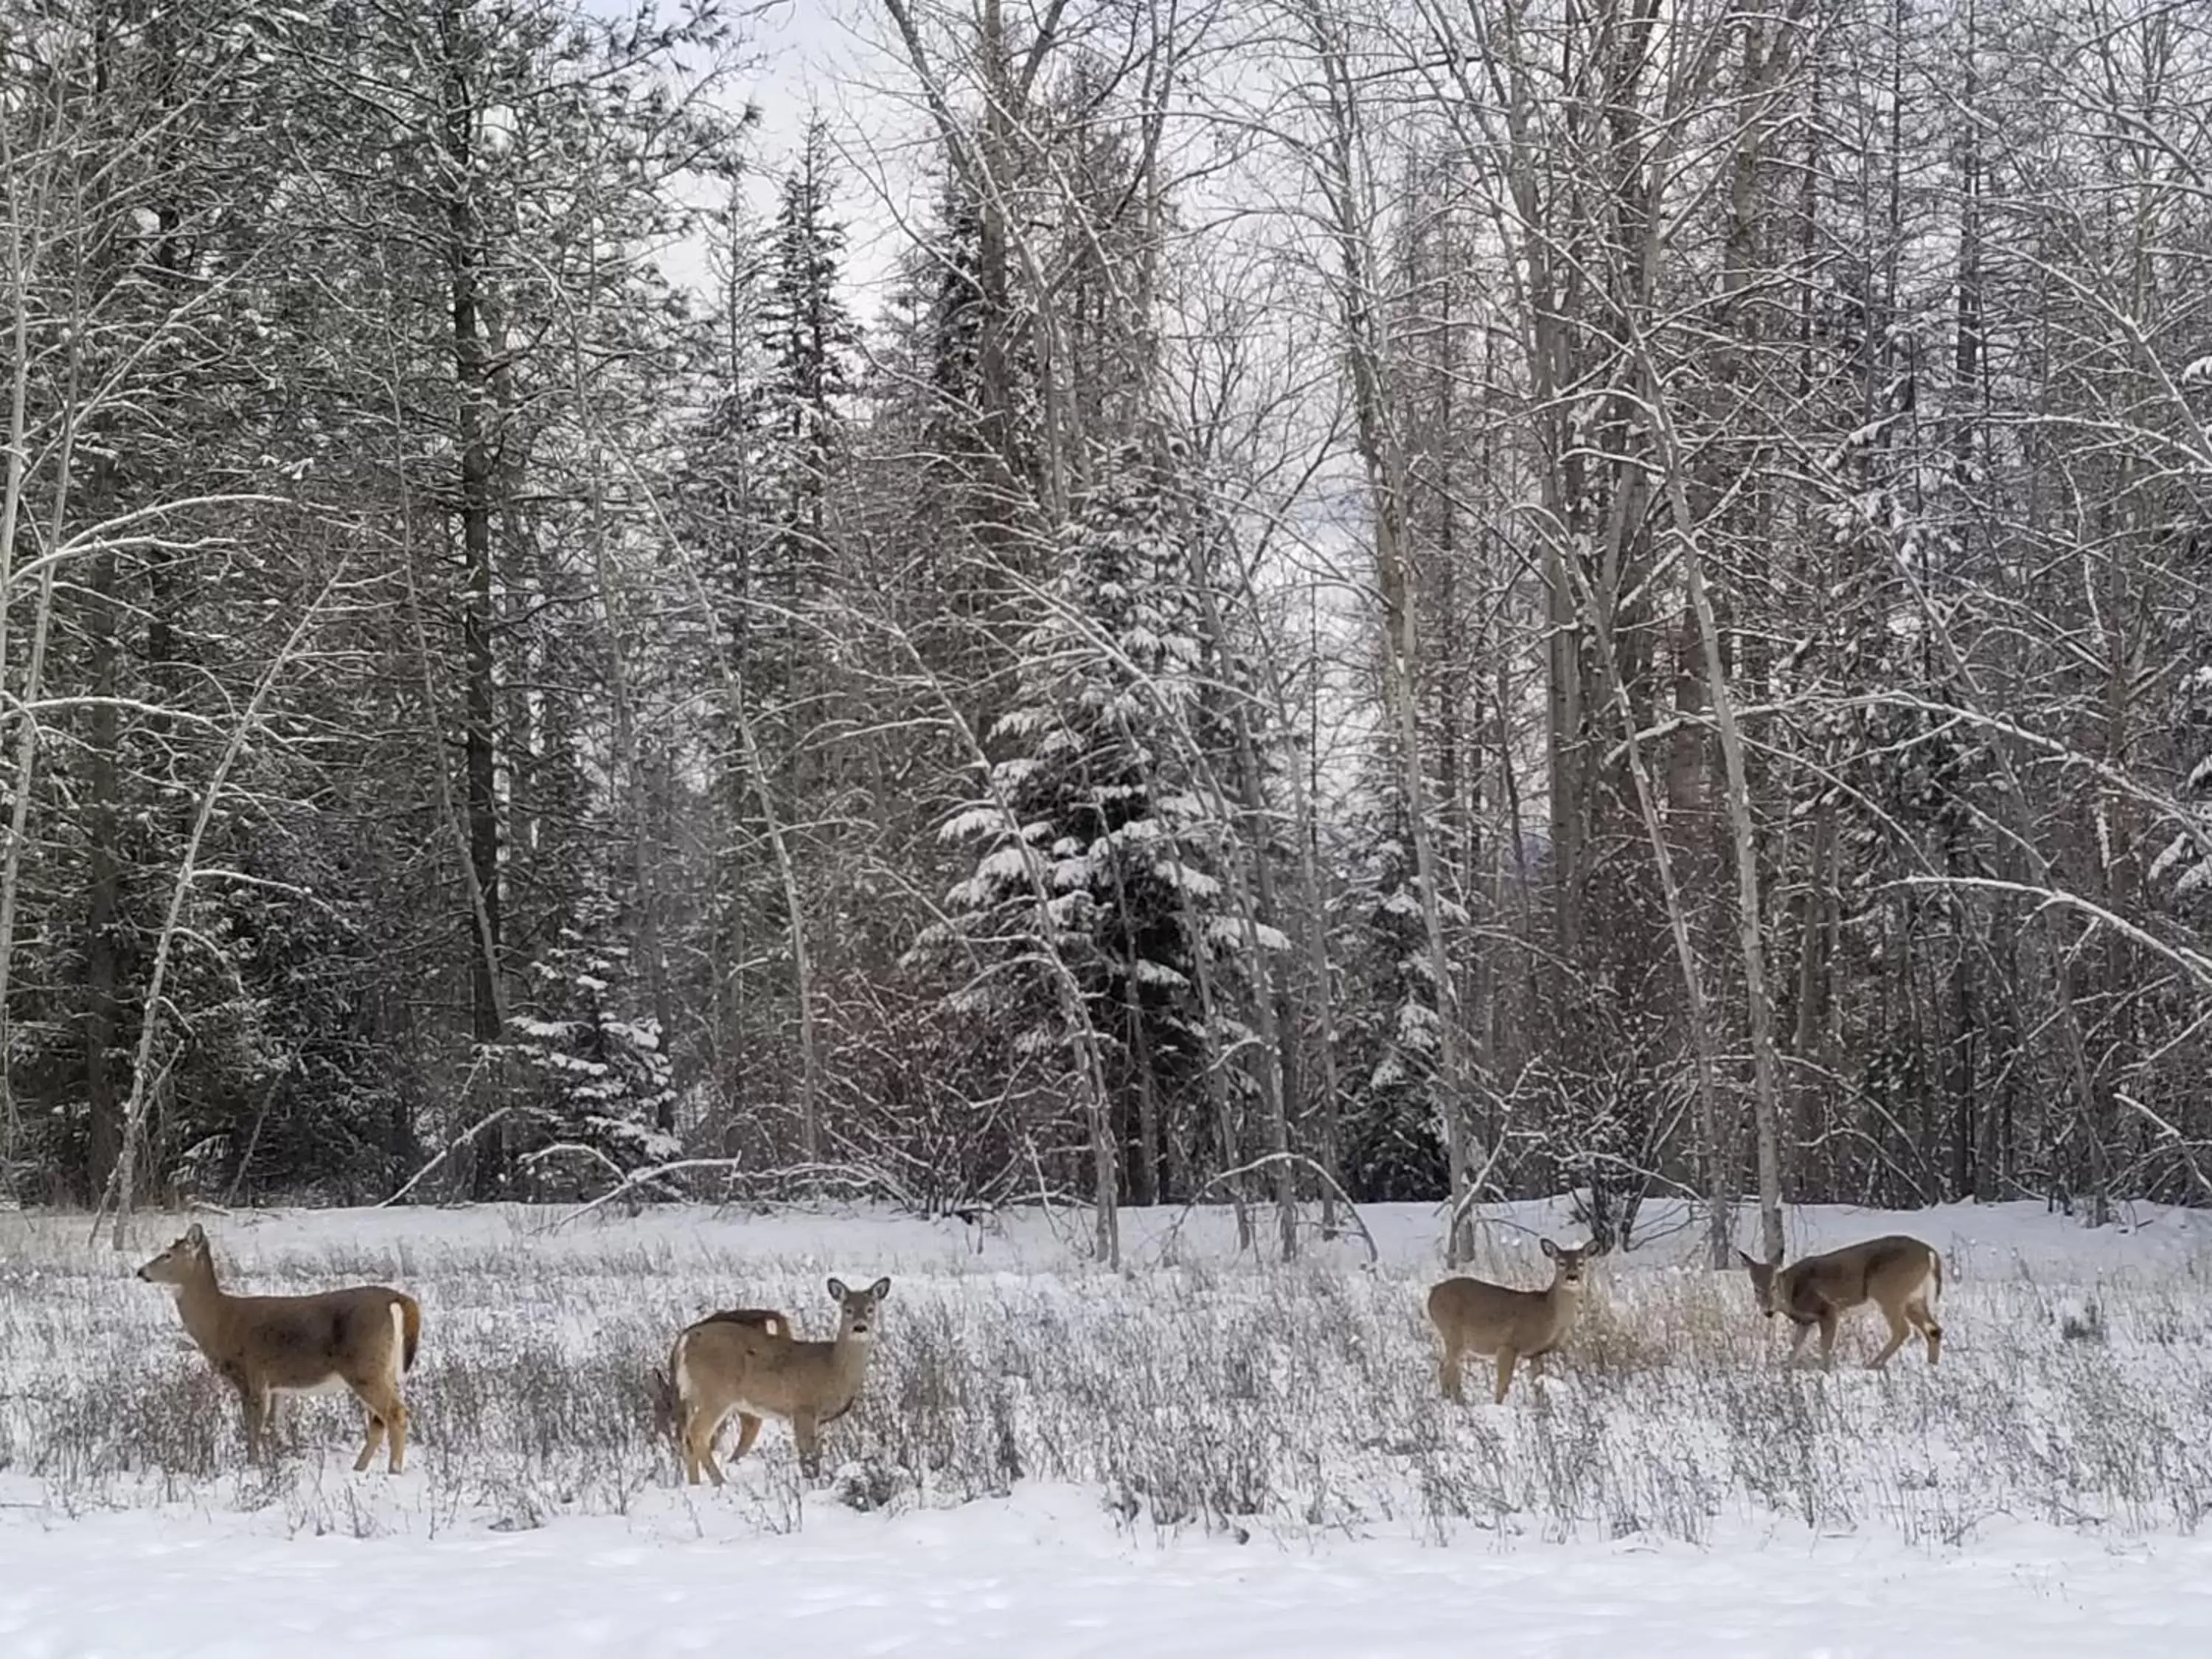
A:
1441	599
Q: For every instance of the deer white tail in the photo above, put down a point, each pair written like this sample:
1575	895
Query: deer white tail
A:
679	1374
399	1343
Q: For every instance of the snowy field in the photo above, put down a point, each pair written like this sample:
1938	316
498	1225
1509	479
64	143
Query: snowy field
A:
1200	1455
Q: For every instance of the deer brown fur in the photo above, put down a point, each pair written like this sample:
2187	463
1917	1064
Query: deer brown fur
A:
665	1417
364	1338
1900	1275
1473	1315
720	1365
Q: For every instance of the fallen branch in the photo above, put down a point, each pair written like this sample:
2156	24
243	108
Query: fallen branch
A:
733	1168
466	1137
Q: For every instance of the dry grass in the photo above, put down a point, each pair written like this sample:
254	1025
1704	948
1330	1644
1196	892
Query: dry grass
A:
1226	1397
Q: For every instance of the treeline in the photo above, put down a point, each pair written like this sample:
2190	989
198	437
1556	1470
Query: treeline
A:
1436	600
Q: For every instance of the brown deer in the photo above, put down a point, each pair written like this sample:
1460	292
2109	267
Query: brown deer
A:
362	1338
1900	1275
665	1417
721	1366
1475	1316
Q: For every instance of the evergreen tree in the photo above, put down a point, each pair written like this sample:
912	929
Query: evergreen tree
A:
603	1080
1393	1145
1110	770
808	339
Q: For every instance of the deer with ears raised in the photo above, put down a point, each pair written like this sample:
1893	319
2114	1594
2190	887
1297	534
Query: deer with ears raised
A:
361	1339
1473	1315
724	1364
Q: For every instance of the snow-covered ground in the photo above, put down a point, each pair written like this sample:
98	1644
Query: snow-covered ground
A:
1042	1575
1201	1454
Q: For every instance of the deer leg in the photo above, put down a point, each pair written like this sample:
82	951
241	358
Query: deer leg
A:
1505	1360
749	1428
375	1439
806	1433
683	1437
393	1416
1798	1334
1827	1338
1537	1367
1447	1374
257	1403
700	1444
1930	1332
1899	1330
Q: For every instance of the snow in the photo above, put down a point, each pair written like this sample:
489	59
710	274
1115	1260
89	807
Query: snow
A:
1913	1550
1046	1575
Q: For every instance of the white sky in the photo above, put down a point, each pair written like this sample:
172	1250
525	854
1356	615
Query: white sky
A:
829	54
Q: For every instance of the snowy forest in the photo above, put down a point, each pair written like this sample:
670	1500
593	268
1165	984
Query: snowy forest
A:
1401	599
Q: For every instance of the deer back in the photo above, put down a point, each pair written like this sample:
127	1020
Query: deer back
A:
327	1339
724	1361
303	1342
1478	1316
1889	1271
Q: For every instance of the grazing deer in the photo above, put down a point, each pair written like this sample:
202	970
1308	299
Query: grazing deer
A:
721	1366
1475	1316
666	1417
364	1338
1900	1275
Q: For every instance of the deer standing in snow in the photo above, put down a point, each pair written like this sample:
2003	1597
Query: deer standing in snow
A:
723	1364
1473	1315
362	1338
1900	1275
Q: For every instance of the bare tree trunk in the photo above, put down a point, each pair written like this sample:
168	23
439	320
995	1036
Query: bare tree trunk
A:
122	1184
23	783
1719	1213
1766	1098
104	926
633	772
471	373
802	969
1312	896
1359	297
625	733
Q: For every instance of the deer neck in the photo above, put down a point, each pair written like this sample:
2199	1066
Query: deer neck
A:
848	1363
201	1302
1788	1283
1563	1299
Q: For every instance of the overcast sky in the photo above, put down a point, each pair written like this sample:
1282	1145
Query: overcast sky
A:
828	54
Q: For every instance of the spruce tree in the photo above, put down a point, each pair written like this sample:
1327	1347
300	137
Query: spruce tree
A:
1111	766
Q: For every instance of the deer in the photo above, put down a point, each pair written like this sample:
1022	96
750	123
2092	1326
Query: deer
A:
1898	1275
1508	1325
665	1417
720	1365
364	1338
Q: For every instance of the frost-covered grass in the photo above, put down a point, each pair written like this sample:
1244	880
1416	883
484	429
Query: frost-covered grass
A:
1196	1390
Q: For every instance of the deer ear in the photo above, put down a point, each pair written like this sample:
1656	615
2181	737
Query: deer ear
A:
196	1236
881	1288
1550	1249
1747	1261
837	1291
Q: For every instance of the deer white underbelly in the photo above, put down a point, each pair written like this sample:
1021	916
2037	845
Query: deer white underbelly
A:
331	1384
